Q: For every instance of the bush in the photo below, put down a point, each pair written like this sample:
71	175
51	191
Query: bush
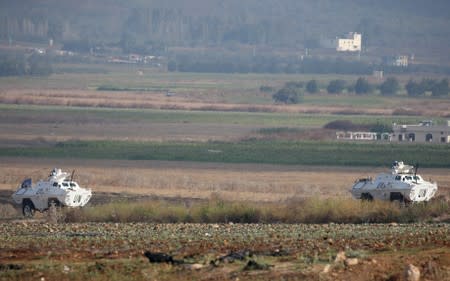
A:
428	84
440	89
336	86
312	87
287	95
389	87
415	89
362	86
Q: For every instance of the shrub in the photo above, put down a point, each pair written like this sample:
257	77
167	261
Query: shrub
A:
414	89
440	89
312	86
428	84
389	87
336	86
287	95
362	86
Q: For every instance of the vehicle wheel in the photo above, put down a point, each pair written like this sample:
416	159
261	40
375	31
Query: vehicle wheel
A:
366	197
28	209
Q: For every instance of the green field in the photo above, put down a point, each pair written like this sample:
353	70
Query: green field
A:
209	87
273	152
36	113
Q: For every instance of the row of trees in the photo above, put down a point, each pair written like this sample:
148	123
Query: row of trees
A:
437	88
292	92
390	87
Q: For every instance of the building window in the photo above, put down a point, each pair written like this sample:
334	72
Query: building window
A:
443	139
412	137
400	137
429	138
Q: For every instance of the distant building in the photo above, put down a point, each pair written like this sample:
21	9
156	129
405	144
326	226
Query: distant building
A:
400	61
424	132
369	136
378	74
351	43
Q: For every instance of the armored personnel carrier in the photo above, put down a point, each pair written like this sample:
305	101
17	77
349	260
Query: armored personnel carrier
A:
58	189
401	184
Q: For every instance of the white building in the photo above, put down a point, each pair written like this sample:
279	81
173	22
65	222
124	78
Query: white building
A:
426	131
368	136
351	43
400	61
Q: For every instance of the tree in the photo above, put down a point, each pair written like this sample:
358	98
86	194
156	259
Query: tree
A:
40	65
428	84
336	86
312	87
389	87
172	66
287	95
11	66
414	89
362	86
440	89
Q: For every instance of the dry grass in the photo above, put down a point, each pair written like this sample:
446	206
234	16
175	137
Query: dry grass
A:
217	210
211	100
233	182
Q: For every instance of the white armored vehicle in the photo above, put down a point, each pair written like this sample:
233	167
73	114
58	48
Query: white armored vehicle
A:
402	184
58	189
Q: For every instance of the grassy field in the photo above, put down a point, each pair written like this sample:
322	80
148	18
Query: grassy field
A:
39	114
269	152
236	89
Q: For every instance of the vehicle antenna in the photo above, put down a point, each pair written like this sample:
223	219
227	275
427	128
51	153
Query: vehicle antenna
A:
71	177
416	167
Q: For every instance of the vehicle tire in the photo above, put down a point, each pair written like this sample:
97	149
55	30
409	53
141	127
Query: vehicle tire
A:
366	197
396	196
28	209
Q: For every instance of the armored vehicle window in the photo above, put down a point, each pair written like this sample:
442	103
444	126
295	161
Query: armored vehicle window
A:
72	184
397	178
65	184
55	184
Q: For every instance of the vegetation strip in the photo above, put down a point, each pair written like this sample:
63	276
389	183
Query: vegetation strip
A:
252	151
33	113
216	210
